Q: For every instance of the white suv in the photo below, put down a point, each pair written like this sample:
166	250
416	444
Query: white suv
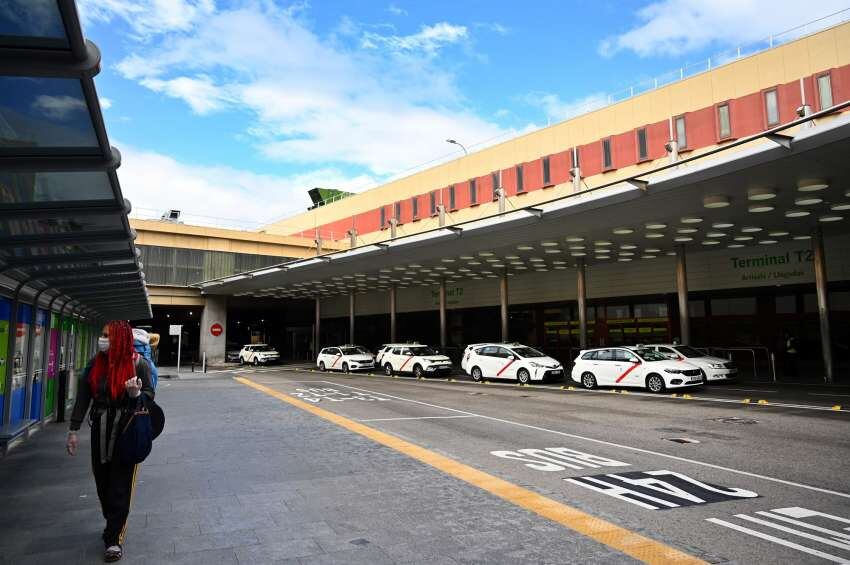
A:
345	358
509	361
420	360
633	367
258	354
713	368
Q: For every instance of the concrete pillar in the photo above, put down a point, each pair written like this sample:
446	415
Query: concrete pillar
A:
214	328
393	303
443	331
351	304
682	291
441	215
503	303
823	303
317	330
581	293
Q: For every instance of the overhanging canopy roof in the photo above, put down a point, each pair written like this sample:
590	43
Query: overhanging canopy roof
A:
64	231
753	192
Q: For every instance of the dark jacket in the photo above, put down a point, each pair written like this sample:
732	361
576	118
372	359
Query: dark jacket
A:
101	401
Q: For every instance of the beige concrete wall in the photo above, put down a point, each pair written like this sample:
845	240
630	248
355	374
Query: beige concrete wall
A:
827	49
175	296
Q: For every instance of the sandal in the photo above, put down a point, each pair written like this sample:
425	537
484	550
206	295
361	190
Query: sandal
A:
112	554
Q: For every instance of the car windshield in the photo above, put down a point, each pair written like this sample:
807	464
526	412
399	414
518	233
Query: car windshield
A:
651	355
686	351
262	348
528	352
422	350
354	351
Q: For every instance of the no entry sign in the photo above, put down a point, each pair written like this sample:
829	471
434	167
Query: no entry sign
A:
216	329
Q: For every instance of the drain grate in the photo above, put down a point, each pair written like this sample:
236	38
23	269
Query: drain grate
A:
734	420
682	440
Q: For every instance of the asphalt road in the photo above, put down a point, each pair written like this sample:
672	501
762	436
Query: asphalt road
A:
712	475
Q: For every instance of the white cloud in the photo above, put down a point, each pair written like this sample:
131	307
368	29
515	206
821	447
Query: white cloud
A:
59	107
396	10
314	100
154	183
147	17
676	27
557	110
105	103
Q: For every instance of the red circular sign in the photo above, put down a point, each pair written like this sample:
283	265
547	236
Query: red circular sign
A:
216	329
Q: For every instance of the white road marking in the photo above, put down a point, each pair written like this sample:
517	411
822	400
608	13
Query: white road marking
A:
787	530
749	389
416	418
802	524
611	444
780	541
823	394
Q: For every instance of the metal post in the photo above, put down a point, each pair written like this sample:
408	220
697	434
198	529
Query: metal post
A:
682	290
318	330
351	304
352	238
10	361
443	336
179	349
823	303
503	302
393	228
581	299
441	214
45	357
393	297
500	191
30	370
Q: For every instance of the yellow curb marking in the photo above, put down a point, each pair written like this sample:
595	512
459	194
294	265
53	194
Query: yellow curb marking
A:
763	402
746	401
616	537
836	407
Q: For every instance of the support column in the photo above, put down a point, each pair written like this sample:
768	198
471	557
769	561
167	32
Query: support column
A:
823	303
443	333
10	365
503	302
393	335
682	290
318	328
351	304
214	328
581	299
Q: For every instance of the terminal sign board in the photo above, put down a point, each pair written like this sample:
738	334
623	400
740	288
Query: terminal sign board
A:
174	329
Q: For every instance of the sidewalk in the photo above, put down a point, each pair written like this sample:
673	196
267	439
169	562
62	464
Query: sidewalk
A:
239	477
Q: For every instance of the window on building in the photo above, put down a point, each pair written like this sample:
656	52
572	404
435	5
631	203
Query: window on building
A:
452	197
547	172
681	134
473	192
825	91
607	160
643	151
397	211
414	206
383	217
771	107
432	203
724	126
519	183
494	180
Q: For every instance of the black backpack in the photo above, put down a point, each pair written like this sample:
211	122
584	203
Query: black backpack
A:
143	425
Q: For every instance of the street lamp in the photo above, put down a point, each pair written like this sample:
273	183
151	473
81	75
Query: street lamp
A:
453	142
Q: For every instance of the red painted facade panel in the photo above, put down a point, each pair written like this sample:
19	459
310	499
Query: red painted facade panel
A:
559	167
657	135
590	159
789	100
747	115
841	84
700	127
624	148
533	175
509	181
485	188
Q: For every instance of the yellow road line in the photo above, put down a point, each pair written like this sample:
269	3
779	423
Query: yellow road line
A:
616	537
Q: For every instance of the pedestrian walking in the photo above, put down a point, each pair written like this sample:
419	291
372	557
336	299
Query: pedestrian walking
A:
791	355
109	391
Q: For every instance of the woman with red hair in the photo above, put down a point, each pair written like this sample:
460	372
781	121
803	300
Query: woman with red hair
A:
108	390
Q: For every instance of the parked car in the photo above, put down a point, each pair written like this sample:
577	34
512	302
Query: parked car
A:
417	359
641	367
232	356
713	368
345	358
509	361
258	354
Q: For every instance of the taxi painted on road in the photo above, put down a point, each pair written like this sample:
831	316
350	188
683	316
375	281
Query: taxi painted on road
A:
641	367
509	361
345	358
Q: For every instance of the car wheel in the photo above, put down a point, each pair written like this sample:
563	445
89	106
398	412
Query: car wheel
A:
418	372
476	374
322	367
704	377
345	368
241	361
523	376
388	370
256	362
588	381
655	383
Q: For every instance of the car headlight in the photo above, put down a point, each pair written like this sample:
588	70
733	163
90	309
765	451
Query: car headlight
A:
718	365
674	371
537	365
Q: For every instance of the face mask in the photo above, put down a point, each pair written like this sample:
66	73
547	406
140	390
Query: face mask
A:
103	344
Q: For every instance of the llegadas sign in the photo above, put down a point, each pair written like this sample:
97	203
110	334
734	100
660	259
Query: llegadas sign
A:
786	266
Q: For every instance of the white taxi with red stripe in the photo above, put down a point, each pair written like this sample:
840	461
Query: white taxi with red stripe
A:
345	358
509	361
633	367
414	358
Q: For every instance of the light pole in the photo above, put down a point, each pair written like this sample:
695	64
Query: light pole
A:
453	142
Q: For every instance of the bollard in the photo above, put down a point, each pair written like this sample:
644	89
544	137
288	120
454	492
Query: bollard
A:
773	365
204	362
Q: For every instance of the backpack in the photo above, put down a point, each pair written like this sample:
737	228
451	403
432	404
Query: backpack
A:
144	350
136	439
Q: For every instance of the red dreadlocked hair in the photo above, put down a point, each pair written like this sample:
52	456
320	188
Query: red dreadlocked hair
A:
116	365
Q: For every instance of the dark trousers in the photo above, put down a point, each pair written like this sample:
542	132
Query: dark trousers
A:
115	483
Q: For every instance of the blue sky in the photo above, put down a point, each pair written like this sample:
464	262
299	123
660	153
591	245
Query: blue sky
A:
234	108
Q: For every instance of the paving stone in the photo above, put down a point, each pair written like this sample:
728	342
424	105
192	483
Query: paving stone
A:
367	556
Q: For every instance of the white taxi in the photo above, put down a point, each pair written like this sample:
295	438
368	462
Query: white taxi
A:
258	354
633	367
419	360
509	361
345	358
713	368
